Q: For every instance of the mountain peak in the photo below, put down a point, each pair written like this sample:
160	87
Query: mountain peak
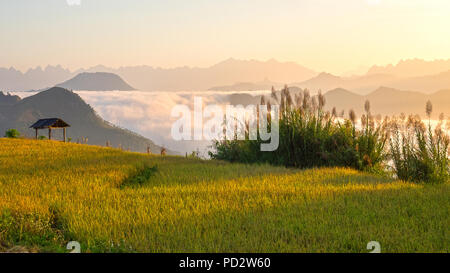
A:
97	81
412	68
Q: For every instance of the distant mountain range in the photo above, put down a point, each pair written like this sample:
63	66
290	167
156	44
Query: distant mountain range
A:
149	78
412	68
358	84
98	81
367	83
389	101
240	75
188	79
61	103
34	79
416	75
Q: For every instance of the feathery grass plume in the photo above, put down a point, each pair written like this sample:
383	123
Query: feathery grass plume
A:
273	94
247	128
312	139
334	112
299	100
364	120
371	121
314	105
410	122
306	100
420	154
263	100
289	100
352	116
402	117
322	100
367	106
429	109
282	102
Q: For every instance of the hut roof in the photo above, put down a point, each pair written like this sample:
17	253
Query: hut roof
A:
50	123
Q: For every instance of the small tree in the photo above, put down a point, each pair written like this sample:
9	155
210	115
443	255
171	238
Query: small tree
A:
12	133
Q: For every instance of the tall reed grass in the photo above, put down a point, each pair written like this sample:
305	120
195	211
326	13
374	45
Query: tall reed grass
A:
312	137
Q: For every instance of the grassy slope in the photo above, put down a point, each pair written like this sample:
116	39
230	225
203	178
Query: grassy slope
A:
51	193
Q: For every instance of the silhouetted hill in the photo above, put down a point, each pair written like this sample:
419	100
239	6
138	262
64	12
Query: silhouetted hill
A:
389	101
8	99
324	79
342	99
99	81
367	83
442	95
61	103
248	86
427	84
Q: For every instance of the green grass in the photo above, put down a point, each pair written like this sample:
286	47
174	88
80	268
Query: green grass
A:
113	201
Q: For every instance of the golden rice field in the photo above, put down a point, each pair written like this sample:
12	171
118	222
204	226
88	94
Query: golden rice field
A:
52	193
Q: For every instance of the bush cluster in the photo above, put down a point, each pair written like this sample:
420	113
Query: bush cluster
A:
312	137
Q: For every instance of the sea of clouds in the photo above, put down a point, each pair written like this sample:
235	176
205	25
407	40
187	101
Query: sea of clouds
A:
149	113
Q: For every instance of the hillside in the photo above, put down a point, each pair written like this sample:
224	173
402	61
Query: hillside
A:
8	99
343	100
60	103
52	193
98	81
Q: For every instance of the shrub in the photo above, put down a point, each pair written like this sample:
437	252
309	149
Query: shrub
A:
370	142
418	152
12	133
311	137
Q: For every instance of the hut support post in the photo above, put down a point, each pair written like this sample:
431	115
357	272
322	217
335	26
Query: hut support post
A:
49	133
36	133
64	134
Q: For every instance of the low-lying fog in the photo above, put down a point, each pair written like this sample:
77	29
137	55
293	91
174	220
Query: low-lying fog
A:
149	113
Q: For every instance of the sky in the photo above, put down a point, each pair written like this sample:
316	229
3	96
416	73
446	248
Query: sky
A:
325	35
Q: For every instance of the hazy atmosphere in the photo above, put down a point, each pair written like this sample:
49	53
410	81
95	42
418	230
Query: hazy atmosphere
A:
262	127
324	35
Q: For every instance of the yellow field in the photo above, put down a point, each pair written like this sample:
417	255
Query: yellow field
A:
52	193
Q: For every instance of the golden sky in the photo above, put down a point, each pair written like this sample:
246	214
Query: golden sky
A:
326	35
